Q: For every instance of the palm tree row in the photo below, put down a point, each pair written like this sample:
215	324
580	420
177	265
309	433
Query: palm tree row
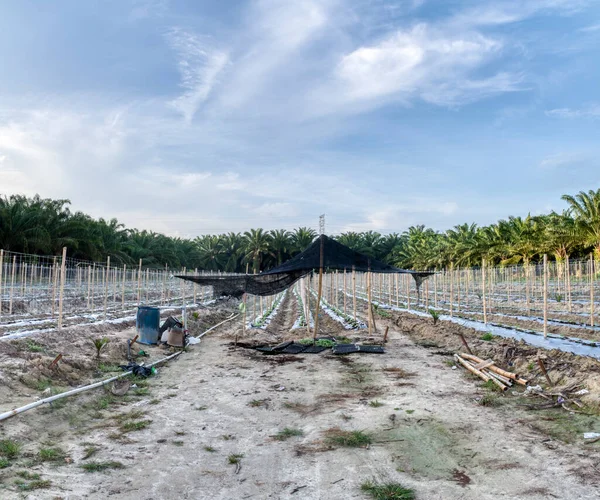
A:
44	226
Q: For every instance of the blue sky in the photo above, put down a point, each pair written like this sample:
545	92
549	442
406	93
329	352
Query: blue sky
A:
198	116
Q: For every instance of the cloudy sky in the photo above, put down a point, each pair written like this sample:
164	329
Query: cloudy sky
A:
200	116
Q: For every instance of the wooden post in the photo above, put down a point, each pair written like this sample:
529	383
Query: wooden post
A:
320	290
591	289
483	290
1	271
93	284
543	368
568	278
369	305
12	284
89	286
427	294
123	287
435	292
397	290
106	287
389	300
385	335
407	291
62	287
545	295
354	291
451	289
139	290
195	274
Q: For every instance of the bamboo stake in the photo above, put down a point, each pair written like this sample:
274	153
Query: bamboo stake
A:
435	292
427	294
545	295
93	284
494	368
407	291
139	279
354	291
543	368
389	280
319	291
62	287
123	287
106	286
569	283
471	368
397	290
591	289
12	285
1	271
89	285
451	289
370	310
195	274
345	297
483	290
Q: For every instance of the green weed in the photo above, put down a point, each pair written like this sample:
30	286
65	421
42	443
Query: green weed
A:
287	433
9	448
235	458
348	439
487	336
387	491
101	466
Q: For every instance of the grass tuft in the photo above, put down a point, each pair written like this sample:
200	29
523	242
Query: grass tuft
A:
348	439
210	449
52	454
287	433
387	491
235	458
101	466
133	426
375	404
487	337
9	448
38	484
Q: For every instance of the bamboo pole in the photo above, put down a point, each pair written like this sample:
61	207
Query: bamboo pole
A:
93	284
483	290
320	290
62	287
12	284
89	285
369	304
407	291
139	278
123	287
591	289
195	274
569	283
389	280
354	291
545	295
345	297
106	287
397	290
451	289
1	272
435	292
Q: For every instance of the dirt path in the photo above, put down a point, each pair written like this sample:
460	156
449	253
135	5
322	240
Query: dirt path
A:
429	433
285	317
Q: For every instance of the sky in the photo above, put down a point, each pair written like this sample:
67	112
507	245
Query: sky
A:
192	117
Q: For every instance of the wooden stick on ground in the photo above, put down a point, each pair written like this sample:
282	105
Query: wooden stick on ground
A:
499	371
471	368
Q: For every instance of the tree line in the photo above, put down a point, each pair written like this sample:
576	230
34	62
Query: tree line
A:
43	226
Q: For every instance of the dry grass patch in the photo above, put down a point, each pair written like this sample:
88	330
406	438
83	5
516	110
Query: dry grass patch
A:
397	372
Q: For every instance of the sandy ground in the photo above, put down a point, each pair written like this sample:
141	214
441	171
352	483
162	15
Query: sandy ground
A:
429	433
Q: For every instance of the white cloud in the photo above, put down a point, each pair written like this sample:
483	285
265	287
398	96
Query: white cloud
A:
200	67
591	111
424	62
560	160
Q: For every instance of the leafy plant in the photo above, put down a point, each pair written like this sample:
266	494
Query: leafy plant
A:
375	404
558	297
435	315
100	344
52	455
487	336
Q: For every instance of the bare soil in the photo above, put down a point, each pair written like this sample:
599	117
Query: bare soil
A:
176	433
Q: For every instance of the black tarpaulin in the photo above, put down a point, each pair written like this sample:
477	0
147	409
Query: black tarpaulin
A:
335	257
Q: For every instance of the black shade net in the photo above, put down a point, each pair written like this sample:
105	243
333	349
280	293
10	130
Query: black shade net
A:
334	255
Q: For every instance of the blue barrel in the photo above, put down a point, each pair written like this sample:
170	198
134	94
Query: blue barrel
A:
147	323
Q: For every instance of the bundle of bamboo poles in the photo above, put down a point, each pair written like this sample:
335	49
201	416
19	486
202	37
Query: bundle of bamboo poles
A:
487	370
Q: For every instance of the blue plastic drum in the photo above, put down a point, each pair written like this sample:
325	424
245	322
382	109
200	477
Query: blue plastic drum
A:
147	323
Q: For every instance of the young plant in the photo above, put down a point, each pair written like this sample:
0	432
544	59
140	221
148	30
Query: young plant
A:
387	491
487	336
287	433
9	448
100	344
435	315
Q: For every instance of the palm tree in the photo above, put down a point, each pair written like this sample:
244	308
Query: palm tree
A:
210	252
280	245
256	245
586	209
301	238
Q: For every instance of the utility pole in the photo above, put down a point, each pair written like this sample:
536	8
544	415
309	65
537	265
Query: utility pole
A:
322	224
